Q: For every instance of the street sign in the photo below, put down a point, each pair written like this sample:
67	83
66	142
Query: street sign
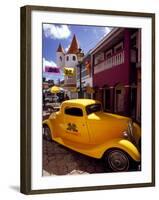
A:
69	71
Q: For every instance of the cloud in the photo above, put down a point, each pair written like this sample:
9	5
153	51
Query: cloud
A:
66	49
54	77
101	32
48	63
56	31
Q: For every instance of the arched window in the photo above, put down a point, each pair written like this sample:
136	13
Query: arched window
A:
67	58
74	58
60	58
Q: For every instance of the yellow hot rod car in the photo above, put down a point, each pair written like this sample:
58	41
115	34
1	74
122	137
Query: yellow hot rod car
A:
81	125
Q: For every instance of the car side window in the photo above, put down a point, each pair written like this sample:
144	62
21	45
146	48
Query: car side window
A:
74	111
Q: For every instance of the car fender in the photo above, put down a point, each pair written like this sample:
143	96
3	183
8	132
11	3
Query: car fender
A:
49	124
98	150
137	132
124	145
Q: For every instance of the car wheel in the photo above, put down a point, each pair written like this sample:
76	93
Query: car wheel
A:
117	160
46	133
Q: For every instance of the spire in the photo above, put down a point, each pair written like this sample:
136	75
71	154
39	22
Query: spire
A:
74	46
60	49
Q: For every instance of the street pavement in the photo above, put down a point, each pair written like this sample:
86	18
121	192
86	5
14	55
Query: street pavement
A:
59	160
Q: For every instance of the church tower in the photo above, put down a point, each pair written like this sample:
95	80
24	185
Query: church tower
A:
71	57
60	56
69	60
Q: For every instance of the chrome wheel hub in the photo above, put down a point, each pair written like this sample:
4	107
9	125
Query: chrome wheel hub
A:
118	161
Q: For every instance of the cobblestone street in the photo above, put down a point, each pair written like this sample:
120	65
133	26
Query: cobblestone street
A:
58	160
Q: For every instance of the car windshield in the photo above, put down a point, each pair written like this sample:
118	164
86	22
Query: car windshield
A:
93	108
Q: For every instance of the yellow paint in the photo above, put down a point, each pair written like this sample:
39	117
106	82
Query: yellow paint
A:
92	134
68	71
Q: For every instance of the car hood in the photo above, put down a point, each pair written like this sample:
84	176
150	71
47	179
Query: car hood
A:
106	126
102	116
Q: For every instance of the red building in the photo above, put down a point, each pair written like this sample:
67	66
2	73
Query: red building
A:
116	64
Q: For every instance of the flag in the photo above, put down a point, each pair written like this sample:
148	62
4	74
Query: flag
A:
69	71
50	69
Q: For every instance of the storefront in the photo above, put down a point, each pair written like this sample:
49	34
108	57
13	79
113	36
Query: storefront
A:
116	72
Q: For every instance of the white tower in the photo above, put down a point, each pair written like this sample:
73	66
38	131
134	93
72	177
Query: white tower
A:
60	56
70	56
69	60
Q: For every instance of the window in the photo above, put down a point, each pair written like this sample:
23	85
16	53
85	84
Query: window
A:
108	54
74	58
118	47
99	58
74	111
60	58
93	108
67	58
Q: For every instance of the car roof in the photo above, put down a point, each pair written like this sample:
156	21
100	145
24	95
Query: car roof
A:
83	102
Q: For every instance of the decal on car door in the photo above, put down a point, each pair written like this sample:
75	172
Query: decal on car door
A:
72	127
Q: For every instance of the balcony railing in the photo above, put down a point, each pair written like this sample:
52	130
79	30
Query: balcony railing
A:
115	60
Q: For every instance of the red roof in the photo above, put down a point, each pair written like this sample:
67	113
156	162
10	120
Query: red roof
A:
74	46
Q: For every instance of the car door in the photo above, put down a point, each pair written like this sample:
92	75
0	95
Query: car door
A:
75	125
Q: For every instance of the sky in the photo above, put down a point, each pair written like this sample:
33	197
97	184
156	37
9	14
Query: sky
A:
53	34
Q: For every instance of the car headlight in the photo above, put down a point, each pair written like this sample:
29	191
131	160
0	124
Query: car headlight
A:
126	135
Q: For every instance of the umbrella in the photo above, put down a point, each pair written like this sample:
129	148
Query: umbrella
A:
55	89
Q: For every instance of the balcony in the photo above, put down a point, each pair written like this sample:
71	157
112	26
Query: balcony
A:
116	59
